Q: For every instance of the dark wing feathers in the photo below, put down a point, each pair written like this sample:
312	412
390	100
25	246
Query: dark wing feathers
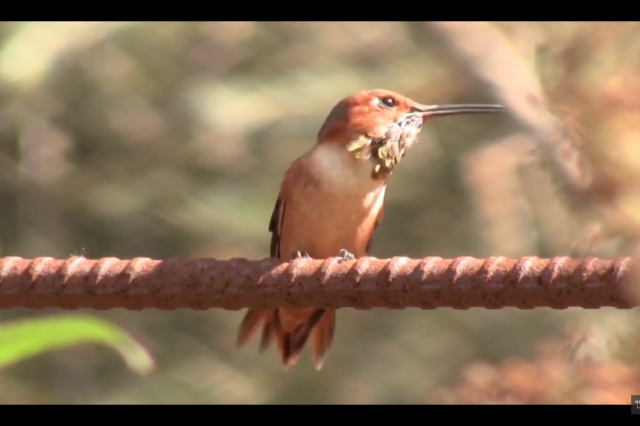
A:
274	227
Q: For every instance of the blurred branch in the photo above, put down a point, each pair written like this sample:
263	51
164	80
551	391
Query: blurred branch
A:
365	283
496	60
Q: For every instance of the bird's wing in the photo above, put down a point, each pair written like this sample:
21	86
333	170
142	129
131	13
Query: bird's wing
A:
275	225
378	220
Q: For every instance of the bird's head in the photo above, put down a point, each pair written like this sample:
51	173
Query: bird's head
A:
379	126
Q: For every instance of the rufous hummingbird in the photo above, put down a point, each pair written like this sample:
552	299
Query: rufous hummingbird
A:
331	202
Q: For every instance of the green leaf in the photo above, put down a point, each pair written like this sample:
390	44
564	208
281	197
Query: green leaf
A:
26	338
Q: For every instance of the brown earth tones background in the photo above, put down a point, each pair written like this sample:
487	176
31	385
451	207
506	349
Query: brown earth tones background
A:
170	139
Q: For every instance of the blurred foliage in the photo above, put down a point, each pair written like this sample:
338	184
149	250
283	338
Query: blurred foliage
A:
170	140
22	339
549	378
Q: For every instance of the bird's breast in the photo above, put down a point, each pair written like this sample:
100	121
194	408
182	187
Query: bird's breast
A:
331	204
338	172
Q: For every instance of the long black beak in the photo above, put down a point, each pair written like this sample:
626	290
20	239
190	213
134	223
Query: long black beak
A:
428	111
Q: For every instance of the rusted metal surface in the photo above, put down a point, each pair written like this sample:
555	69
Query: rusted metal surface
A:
397	283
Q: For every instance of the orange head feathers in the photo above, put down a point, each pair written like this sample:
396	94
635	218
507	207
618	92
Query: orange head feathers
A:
380	125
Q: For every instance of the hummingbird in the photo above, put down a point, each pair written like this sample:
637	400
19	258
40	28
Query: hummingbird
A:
331	201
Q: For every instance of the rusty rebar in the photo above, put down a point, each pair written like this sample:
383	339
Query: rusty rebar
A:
365	283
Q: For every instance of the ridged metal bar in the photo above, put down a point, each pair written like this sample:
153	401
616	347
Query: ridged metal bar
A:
365	283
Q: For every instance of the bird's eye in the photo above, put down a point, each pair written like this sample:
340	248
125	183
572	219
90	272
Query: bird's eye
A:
388	101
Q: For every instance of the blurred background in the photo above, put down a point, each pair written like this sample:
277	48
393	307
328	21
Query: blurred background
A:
170	140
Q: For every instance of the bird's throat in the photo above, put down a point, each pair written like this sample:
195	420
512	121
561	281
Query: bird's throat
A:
382	154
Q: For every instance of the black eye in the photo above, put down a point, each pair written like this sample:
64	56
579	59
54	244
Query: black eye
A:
388	101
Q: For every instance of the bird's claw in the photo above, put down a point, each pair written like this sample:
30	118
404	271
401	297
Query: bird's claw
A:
300	254
345	255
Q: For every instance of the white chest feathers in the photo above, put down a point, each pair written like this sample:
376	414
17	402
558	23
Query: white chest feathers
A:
338	172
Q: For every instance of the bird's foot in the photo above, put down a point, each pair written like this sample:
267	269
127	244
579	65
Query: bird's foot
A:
345	255
300	254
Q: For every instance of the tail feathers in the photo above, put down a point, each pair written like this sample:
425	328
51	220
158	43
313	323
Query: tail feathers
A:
251	323
320	326
322	338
